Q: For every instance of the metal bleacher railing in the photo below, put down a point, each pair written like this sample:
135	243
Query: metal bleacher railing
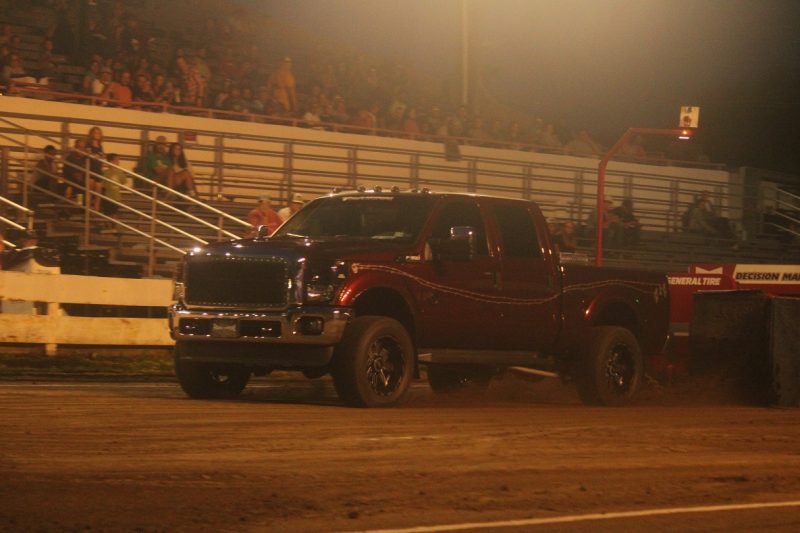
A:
235	168
315	167
19	213
786	217
152	192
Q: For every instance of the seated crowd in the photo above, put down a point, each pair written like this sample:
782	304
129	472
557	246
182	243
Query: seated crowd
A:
228	72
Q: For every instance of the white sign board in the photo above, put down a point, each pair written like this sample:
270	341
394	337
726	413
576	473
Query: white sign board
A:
689	117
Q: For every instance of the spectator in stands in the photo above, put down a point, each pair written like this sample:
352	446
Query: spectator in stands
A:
261	103
180	176
47	64
583	145
703	219
94	147
458	123
312	116
192	86
142	68
554	227
433	121
410	125
328	80
120	91
131	37
396	110
164	90
247	99
629	226
262	215
201	63
96	39
90	77
700	218
11	46
611	223
102	86
223	94
339	112
61	32
295	203
477	132
74	170
14	71
157	162
567	239
143	92
284	85
115	177
45	174
5	35
234	100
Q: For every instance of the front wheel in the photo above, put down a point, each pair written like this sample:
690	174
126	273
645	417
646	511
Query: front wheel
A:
374	363
206	380
612	369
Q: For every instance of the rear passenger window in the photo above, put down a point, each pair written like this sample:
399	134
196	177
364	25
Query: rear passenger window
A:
462	214
517	230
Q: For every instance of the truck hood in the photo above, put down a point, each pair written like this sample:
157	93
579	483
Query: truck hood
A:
294	249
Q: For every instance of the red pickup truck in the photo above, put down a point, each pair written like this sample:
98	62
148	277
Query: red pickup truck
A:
369	285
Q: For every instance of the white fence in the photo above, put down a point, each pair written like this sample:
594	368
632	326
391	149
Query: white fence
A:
55	327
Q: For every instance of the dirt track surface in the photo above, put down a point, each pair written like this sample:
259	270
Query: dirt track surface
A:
288	457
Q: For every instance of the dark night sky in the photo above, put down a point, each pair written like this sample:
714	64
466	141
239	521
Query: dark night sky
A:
604	64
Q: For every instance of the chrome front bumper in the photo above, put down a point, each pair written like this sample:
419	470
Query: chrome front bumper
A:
278	327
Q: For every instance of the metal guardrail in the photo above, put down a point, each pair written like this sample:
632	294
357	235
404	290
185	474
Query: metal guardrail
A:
556	186
245	165
21	210
787	203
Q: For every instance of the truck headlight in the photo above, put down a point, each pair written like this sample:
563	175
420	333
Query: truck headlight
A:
322	284
178	285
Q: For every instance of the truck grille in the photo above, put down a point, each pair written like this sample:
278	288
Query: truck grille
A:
232	281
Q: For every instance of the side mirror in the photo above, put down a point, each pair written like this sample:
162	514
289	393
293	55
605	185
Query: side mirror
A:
460	246
262	232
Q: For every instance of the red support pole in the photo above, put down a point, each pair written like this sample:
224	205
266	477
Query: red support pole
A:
601	177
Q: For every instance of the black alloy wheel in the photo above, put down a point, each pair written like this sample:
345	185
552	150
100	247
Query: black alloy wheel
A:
374	363
611	367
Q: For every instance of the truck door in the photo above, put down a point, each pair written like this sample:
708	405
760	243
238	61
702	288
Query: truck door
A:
456	296
528	281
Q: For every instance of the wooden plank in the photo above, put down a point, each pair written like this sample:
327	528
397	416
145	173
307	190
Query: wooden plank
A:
63	288
54	329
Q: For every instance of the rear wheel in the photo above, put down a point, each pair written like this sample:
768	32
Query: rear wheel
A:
445	379
374	363
208	380
612	367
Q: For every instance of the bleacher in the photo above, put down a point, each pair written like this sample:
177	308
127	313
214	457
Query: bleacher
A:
112	251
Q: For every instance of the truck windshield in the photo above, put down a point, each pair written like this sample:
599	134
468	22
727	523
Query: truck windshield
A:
385	217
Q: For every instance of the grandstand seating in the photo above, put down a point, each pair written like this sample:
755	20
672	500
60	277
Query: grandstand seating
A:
279	162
